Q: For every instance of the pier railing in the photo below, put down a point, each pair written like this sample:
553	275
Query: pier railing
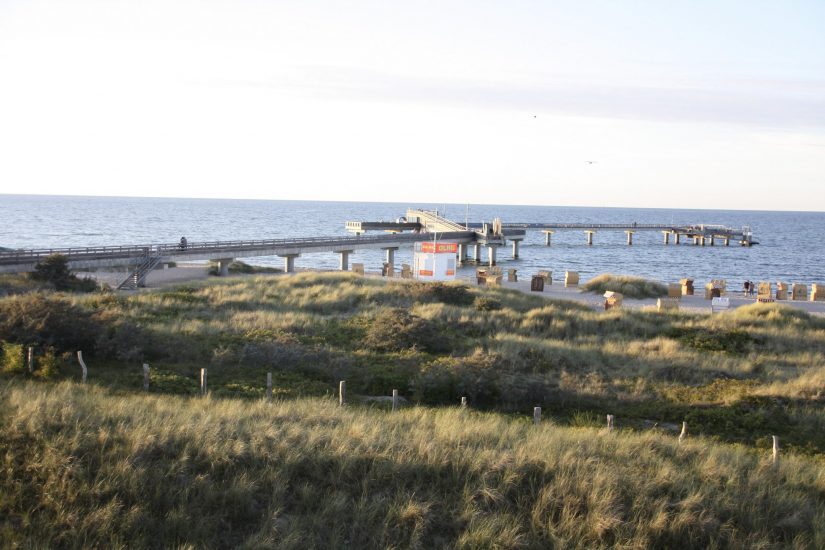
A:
219	247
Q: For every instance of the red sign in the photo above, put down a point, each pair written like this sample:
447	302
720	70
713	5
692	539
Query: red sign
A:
439	248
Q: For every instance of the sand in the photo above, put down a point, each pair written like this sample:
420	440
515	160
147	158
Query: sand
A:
157	278
193	272
696	303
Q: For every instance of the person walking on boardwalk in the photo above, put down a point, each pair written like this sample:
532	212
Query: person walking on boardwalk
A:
183	243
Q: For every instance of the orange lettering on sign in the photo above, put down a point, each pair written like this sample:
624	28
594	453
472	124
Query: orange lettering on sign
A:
439	248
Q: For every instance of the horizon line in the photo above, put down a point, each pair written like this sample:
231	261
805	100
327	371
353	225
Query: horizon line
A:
406	202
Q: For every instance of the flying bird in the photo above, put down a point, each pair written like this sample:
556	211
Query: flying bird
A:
590	162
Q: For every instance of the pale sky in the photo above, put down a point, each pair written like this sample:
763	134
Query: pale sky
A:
692	104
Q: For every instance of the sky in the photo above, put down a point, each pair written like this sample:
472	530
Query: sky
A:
678	104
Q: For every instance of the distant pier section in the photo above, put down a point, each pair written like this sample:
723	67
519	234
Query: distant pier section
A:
697	234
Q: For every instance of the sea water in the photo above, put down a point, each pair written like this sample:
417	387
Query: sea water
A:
791	246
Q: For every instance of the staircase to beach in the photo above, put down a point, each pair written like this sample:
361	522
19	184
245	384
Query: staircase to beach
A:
138	275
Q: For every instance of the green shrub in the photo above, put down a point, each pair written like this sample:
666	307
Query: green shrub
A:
49	364
398	330
728	341
241	267
14	360
485	303
54	270
447	379
455	294
630	287
47	321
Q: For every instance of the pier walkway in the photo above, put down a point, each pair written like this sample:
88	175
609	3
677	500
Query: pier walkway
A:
700	234
143	258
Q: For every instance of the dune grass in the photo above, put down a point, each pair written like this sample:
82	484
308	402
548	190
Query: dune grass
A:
630	287
740	376
85	467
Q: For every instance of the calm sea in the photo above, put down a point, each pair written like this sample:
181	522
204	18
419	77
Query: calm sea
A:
791	245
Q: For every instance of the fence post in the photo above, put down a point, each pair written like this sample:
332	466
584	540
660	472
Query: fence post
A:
394	400
203	381
463	402
82	366
269	386
342	393
536	415
30	359
609	422
145	377
775	455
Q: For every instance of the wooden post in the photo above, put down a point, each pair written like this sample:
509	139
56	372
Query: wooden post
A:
82	366
30	359
609	422
536	415
394	400
463	402
269	386
203	381
145	377
775	456
342	393
683	435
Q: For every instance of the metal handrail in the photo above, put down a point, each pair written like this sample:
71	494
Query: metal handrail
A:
699	227
16	256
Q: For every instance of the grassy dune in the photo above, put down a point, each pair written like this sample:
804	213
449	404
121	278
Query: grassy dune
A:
83	467
105	465
740	376
630	287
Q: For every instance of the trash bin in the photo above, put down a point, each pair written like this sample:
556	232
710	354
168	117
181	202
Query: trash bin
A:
481	276
512	276
537	283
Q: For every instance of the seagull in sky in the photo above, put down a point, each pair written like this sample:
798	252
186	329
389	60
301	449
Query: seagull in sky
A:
590	162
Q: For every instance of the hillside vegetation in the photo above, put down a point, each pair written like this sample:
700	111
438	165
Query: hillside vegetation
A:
106	465
84	467
740	376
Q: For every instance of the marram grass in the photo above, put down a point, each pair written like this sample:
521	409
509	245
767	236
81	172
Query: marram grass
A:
630	287
83	467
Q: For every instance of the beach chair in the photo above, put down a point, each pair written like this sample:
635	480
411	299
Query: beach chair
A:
719	304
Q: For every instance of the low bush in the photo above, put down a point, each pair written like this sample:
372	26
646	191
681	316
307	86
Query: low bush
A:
398	330
630	287
49	364
485	303
14	361
455	294
54	270
728	341
47	321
